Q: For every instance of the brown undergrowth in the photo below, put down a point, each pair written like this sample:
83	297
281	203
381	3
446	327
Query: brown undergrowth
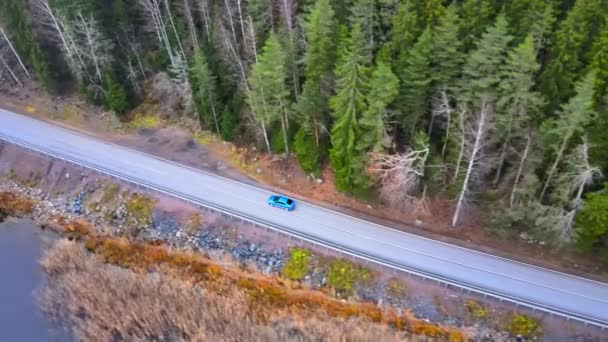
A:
266	300
13	205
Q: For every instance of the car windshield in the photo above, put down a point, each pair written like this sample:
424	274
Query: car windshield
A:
289	201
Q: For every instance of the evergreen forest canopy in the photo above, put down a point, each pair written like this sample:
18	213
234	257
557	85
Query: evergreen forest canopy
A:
499	103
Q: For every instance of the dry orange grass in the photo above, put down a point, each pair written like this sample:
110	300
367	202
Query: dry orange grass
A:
14	205
102	302
265	297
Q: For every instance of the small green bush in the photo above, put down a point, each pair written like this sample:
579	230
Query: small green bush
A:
476	310
343	275
298	264
523	325
140	208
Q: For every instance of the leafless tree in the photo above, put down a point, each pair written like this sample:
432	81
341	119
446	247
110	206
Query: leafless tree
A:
442	108
6	43
520	169
400	175
288	9
187	13
204	11
56	27
571	184
476	135
92	45
461	129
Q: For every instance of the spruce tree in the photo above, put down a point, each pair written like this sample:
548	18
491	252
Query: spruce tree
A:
416	77
115	95
482	70
312	106
347	106
569	51
205	93
268	93
405	30
479	15
384	88
598	131
518	101
446	54
364	13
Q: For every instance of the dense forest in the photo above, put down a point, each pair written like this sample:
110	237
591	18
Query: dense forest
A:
497	104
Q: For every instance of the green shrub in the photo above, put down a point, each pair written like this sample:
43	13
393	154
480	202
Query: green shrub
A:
592	222
476	310
116	97
523	325
298	264
140	208
307	151
343	275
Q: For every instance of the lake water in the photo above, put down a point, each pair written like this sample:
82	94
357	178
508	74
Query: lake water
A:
21	246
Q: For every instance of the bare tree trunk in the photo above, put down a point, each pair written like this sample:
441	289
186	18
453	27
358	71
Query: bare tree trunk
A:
520	170
558	159
231	20
215	120
190	21
477	146
10	45
288	8
503	150
462	144
266	137
242	22
316	132
204	9
179	42
10	71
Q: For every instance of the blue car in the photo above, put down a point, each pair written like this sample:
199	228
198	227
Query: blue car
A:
282	202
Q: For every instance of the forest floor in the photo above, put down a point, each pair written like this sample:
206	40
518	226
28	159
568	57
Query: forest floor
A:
180	141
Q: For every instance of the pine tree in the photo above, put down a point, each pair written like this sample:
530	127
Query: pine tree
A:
482	70
416	77
446	55
597	132
313	107
479	15
205	93
571	120
115	95
384	88
347	107
518	101
431	12
268	93
569	51
405	30
364	13
592	223
526	16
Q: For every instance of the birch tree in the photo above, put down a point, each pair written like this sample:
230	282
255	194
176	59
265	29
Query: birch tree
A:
478	98
476	140
400	175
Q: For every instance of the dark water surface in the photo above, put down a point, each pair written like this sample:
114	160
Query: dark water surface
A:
21	246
